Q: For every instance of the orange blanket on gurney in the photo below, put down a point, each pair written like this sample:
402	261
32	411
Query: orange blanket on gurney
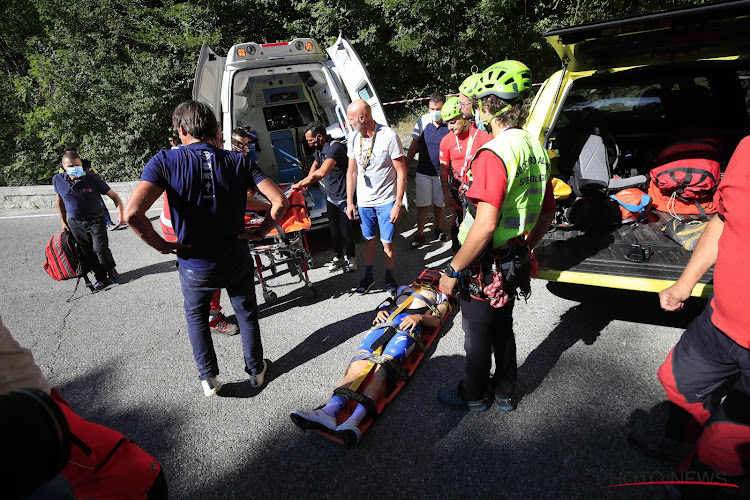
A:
295	219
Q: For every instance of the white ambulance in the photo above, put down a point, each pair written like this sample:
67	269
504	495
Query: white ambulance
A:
274	90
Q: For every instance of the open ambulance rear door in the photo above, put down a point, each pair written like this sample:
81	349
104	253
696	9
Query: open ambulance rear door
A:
355	77
208	79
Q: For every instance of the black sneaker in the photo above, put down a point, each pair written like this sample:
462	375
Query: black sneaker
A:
114	276
418	241
365	284
659	446
440	235
450	397
505	404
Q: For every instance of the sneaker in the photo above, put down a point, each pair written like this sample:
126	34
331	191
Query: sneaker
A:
315	419
440	235
336	264
418	241
101	285
114	276
348	432
351	265
504	404
365	284
659	446
390	285
257	380
450	397
211	386
222	326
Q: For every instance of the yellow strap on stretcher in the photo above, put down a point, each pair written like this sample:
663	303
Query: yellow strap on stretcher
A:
401	308
369	366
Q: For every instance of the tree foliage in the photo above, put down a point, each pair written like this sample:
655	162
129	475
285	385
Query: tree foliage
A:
105	74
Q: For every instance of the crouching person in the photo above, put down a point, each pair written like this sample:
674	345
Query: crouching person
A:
397	328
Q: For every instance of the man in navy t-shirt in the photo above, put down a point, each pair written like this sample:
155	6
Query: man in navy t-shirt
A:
79	202
330	167
207	190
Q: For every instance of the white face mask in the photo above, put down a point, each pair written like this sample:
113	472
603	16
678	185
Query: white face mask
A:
436	115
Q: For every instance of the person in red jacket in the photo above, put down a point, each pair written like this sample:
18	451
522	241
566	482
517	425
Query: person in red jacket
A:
707	374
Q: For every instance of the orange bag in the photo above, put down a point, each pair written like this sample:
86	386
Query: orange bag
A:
634	204
295	219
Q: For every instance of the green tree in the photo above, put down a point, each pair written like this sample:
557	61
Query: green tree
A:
106	74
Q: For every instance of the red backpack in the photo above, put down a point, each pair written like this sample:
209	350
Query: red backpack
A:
63	262
62	257
688	169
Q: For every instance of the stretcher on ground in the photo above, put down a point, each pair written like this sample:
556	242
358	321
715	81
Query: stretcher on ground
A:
286	244
400	374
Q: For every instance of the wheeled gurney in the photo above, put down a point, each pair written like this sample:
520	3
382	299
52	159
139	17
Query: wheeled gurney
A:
286	244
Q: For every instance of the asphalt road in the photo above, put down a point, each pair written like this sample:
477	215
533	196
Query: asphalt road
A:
587	375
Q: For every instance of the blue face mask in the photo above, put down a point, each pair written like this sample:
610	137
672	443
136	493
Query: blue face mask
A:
75	172
479	121
436	115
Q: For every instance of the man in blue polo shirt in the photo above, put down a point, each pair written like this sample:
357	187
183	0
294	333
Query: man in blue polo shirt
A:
79	201
426	136
207	190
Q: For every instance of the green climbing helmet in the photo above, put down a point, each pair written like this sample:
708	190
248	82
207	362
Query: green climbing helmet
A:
468	86
508	80
451	109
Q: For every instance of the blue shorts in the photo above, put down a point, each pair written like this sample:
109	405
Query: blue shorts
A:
400	345
374	218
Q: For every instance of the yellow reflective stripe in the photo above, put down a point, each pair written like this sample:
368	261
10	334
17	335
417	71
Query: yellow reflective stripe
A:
620	282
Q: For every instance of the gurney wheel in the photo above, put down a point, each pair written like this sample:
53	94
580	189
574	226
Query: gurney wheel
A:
269	297
311	292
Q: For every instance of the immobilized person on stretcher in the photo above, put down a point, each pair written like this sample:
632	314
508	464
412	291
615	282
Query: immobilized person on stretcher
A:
416	307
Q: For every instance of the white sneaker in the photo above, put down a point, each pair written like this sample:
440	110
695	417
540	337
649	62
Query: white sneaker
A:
348	432
211	386
336	264
351	265
315	419
257	380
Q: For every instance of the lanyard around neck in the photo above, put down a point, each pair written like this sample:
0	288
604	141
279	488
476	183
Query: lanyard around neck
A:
467	156
366	159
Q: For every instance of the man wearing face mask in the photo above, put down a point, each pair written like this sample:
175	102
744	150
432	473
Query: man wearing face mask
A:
81	211
330	167
426	136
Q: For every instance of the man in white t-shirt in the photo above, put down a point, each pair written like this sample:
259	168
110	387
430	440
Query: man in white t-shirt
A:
377	172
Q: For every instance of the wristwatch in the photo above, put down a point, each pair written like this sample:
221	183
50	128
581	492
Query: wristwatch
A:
450	272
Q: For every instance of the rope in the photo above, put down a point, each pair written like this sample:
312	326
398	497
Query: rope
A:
404	101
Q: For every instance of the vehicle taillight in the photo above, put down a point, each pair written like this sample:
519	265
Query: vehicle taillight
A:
241	52
308	46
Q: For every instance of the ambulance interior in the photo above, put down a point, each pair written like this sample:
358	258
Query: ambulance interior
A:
275	107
